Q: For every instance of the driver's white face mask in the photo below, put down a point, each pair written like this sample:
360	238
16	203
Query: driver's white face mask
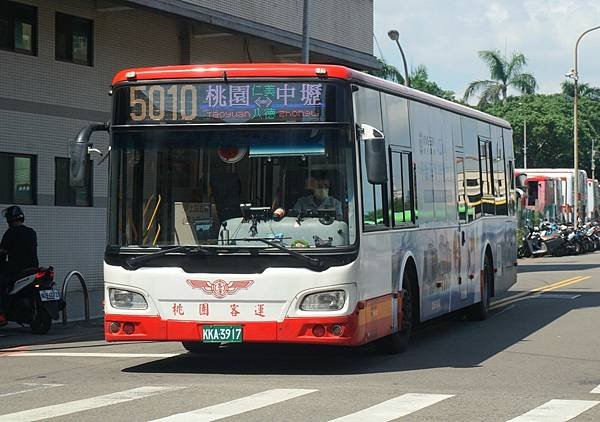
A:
321	193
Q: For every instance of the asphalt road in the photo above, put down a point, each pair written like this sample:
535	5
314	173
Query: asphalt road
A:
537	358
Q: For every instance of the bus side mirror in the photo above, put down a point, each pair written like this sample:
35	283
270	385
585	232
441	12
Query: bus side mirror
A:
375	156
80	152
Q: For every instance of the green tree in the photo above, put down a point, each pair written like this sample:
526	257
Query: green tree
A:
550	128
387	71
419	79
503	74
583	90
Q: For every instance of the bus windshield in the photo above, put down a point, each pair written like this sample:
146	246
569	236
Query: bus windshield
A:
207	185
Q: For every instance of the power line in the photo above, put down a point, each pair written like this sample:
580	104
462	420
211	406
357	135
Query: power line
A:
378	47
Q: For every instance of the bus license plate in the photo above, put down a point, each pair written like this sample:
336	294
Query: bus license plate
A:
222	334
47	295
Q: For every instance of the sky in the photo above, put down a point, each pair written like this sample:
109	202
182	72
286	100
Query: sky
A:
445	36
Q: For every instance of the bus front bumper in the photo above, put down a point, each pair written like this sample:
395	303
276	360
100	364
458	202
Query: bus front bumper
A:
350	330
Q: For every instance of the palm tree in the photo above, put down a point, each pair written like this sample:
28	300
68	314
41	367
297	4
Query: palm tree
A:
583	90
387	71
503	74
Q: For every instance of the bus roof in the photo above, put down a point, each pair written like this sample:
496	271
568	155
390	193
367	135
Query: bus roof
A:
295	70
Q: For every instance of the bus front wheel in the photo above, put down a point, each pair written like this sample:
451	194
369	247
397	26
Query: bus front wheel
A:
398	342
199	347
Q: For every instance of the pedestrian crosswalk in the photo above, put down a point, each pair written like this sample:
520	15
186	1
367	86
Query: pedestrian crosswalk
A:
556	410
394	408
68	408
236	407
379	411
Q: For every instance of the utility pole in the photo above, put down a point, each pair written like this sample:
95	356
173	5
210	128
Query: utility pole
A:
305	36
525	144
575	75
593	163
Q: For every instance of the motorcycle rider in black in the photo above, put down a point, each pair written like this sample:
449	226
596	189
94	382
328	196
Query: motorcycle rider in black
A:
18	252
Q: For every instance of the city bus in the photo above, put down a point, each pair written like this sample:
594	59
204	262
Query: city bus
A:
297	203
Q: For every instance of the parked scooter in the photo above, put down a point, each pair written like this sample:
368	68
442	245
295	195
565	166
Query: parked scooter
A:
33	299
555	242
532	244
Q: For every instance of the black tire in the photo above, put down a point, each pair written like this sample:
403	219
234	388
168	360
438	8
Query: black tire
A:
41	322
560	251
481	310
198	346
398	342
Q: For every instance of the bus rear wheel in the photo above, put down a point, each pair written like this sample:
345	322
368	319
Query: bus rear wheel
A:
480	310
398	342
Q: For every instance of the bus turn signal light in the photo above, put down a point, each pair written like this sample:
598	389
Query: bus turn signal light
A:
337	330
318	330
128	328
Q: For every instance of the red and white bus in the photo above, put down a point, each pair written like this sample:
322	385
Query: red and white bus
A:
297	203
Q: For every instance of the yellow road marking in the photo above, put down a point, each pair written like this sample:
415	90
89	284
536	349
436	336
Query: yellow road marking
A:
539	290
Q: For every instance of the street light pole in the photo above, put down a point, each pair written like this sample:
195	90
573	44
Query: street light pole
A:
525	144
305	34
524	138
593	166
394	36
575	76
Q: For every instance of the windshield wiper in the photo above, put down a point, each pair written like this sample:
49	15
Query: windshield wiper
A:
133	263
313	263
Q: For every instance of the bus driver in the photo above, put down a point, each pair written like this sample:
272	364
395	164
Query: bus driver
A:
319	199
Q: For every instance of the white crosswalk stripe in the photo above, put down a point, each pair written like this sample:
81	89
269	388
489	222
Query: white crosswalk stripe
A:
236	407
596	390
394	408
556	411
62	409
29	386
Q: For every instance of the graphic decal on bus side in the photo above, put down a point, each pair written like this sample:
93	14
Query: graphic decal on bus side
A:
220	288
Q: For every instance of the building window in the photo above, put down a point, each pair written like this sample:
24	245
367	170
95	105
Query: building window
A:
64	194
74	39
18	27
17	179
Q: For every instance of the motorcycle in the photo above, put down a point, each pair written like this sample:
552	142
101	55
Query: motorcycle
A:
532	244
34	300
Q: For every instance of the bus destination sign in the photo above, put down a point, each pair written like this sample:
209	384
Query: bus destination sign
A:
223	102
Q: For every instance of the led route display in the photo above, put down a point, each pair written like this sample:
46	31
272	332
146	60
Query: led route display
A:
224	102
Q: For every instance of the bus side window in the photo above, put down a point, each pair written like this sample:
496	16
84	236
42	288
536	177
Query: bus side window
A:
368	110
402	203
461	196
486	175
373	198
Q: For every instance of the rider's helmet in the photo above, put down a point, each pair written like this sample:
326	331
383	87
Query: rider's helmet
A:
13	214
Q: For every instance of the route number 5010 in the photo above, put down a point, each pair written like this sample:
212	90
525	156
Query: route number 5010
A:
156	102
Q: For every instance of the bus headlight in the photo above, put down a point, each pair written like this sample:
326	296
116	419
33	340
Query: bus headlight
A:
124	299
333	300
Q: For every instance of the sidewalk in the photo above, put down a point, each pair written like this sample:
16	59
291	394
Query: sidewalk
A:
13	335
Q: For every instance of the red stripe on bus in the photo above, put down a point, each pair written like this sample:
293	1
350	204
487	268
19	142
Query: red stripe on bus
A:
362	326
241	70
